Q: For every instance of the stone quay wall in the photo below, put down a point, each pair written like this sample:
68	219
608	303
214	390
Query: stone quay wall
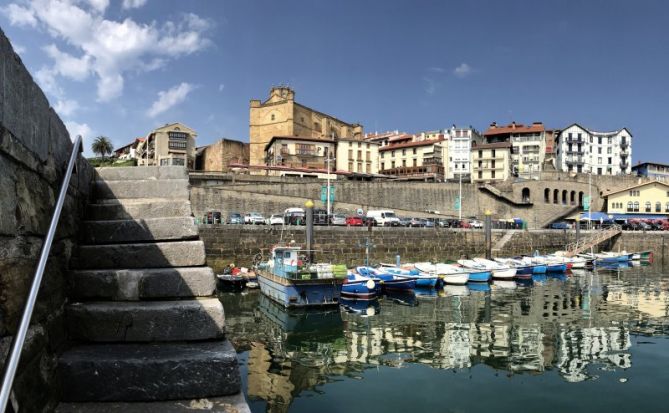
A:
225	244
34	149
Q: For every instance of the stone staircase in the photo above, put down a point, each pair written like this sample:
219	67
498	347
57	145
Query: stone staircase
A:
145	323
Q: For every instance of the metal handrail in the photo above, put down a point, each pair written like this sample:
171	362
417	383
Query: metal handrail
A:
14	355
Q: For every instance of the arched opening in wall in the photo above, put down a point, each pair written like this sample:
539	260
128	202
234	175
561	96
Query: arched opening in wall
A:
564	197
526	195
547	195
572	198
580	198
556	194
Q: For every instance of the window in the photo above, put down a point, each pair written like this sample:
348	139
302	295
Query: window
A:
177	145
382	154
317	127
359	144
359	166
480	154
599	140
579	136
178	161
393	154
367	146
272	118
481	176
404	152
368	167
608	140
164	162
658	207
493	153
492	174
392	164
608	150
404	162
414	151
383	166
599	150
648	205
350	166
359	155
630	206
599	171
636	206
667	207
610	161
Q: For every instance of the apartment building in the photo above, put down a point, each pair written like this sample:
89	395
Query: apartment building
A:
417	159
491	162
172	144
583	150
653	170
357	157
299	153
528	146
459	151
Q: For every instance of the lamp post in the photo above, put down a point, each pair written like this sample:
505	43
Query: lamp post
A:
328	203
310	229
488	234
460	200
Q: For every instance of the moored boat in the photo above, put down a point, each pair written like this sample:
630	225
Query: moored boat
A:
499	271
360	287
291	282
477	272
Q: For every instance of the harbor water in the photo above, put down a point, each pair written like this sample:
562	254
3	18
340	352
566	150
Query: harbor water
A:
588	341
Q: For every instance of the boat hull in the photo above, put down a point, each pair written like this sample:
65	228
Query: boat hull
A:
456	279
479	276
504	274
539	269
300	293
556	268
396	284
359	290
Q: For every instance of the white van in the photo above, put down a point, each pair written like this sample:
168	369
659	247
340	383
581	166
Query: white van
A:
384	217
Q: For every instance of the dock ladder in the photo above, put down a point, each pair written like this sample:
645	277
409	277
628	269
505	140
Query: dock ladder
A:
597	238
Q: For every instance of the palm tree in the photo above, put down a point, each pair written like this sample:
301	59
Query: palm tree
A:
102	146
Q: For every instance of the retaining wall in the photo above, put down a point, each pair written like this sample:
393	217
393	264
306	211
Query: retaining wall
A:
34	149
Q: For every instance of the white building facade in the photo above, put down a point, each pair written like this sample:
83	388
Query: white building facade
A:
582	150
459	152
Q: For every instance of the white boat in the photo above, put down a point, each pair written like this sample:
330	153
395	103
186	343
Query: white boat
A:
450	274
499	271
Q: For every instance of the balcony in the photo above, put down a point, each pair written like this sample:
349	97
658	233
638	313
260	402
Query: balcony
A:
624	145
575	161
572	152
574	140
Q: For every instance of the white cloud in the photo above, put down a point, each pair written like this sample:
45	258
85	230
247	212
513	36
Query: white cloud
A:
462	71
47	81
18	15
19	49
86	133
66	107
133	4
67	65
108	48
169	98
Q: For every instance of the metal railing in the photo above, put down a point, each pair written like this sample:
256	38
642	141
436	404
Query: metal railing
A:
597	238
14	355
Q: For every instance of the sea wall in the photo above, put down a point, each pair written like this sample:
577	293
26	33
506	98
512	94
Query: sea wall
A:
34	149
238	244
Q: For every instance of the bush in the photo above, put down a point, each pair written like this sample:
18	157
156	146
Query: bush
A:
98	162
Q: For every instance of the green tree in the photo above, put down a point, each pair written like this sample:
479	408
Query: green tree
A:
102	146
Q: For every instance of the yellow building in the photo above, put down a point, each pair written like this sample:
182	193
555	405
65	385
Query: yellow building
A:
280	115
491	161
357	156
650	198
415	160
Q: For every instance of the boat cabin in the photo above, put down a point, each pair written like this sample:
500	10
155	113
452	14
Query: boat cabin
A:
287	262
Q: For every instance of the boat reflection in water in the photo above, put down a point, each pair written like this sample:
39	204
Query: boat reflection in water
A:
572	329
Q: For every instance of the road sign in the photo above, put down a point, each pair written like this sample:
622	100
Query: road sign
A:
324	193
586	203
458	203
360	212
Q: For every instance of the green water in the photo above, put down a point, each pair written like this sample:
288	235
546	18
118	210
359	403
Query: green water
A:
591	342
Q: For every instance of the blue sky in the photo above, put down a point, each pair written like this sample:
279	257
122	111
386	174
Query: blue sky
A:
123	67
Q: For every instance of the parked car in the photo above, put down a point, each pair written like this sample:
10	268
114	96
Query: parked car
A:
354	221
476	224
338	219
644	226
254	218
294	216
384	217
275	219
369	221
235	218
405	222
416	222
428	223
560	225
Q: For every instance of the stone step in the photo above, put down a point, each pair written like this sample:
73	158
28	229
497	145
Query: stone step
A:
226	404
133	173
145	321
135	230
149	372
145	188
139	208
153	255
141	284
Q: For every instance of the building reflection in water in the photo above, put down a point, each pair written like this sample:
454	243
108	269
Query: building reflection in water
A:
571	326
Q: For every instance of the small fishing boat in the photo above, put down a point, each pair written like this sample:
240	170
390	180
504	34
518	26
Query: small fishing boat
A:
499	271
230	282
288	280
423	279
389	282
643	255
524	270
477	272
360	287
552	265
452	274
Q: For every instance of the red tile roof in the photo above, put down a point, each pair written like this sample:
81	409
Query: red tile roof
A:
514	128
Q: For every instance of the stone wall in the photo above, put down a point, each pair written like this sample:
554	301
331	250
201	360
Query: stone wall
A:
34	150
225	244
219	155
